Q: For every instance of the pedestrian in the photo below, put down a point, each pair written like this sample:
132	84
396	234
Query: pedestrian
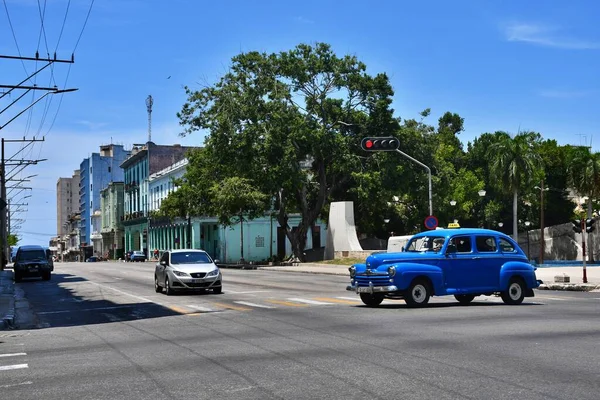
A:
156	254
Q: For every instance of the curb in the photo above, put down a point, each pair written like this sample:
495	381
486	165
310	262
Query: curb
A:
304	272
574	287
241	266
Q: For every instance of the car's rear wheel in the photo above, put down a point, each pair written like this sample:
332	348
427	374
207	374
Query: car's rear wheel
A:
168	290
464	299
217	290
157	287
515	293
371	300
417	294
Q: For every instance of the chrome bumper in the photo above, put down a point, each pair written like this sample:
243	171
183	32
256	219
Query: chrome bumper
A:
372	289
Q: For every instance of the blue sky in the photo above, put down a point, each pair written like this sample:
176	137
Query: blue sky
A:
502	65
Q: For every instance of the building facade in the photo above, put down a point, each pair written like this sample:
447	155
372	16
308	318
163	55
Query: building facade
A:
67	202
263	238
144	161
112	208
96	172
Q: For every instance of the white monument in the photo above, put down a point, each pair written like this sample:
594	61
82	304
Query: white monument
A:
341	233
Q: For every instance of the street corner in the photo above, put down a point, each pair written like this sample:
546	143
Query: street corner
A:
574	287
7	300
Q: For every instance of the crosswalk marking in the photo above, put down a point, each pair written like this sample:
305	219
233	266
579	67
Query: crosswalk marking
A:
314	302
178	309
15	384
13	355
231	306
286	303
349	298
247	303
337	300
16	366
200	308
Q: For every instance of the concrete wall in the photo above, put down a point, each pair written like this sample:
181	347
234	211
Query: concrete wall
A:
341	235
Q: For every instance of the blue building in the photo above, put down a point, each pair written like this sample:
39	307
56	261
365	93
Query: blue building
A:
96	172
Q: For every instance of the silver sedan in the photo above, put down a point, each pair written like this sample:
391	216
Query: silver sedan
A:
187	270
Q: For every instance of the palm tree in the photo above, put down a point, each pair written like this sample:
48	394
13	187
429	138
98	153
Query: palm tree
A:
513	163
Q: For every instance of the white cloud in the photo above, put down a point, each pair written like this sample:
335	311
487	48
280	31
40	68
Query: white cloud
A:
544	35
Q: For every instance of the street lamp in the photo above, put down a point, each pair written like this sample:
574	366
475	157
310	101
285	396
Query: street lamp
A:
527	223
500	224
542	189
453	204
481	194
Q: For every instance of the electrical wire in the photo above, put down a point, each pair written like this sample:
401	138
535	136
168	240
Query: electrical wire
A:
63	26
84	24
15	37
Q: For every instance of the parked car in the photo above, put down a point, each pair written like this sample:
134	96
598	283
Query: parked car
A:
92	259
32	261
187	270
462	262
138	256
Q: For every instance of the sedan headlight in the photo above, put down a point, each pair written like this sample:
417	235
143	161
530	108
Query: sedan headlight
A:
352	270
214	272
392	270
180	273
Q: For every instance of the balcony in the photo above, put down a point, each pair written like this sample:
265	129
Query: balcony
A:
96	236
131	186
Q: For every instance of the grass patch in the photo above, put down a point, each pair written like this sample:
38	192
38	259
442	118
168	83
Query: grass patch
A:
344	261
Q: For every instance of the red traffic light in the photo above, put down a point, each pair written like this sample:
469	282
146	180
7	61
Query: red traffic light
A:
368	144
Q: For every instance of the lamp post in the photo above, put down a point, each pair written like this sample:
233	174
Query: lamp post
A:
453	204
542	189
527	223
481	194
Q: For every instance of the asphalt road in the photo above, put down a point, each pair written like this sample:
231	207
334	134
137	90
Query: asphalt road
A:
98	330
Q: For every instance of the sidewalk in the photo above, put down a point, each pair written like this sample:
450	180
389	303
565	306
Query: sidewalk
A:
546	274
7	299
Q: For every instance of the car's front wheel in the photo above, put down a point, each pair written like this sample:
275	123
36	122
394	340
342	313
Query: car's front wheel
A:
217	289
417	294
157	287
46	276
168	290
371	300
515	293
464	299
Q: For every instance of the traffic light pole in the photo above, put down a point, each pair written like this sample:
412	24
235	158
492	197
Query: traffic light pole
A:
429	172
583	233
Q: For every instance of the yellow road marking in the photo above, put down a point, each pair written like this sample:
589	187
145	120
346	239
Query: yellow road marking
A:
329	299
287	303
179	310
230	306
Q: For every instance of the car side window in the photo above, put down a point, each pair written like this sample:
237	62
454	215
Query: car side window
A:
463	244
506	246
165	257
485	244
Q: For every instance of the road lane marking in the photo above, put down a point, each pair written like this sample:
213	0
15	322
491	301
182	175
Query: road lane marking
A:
16	366
551	298
125	293
178	309
85	309
339	301
13	354
312	302
199	308
247	303
232	307
248	292
286	303
349	298
15	384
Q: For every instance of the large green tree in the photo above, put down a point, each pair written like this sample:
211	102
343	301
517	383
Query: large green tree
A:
291	122
515	163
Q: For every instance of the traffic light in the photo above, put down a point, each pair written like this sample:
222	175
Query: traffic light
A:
388	143
589	225
576	225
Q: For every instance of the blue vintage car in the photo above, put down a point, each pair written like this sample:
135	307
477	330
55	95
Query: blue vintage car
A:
462	262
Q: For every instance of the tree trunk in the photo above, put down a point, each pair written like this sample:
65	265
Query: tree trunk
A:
515	217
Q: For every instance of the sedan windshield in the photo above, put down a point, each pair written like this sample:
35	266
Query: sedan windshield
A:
425	243
32	255
191	257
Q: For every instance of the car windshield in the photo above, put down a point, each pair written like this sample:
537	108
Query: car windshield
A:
425	243
32	255
191	257
138	253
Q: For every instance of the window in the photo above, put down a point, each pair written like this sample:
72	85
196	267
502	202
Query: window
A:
260	241
426	243
108	169
463	244
192	257
506	246
485	244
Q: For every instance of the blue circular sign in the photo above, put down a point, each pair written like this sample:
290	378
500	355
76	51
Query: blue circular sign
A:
431	222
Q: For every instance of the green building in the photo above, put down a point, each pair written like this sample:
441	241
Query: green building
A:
111	207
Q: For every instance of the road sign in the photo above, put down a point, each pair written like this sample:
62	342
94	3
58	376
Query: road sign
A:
431	222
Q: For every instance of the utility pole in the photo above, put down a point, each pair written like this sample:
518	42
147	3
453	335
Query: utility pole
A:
3	201
149	103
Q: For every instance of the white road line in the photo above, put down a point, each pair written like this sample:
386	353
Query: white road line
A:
313	302
84	309
348	298
16	384
246	303
252	291
13	355
199	308
551	298
16	366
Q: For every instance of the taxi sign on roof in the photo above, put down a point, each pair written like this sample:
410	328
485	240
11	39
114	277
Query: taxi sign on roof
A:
453	225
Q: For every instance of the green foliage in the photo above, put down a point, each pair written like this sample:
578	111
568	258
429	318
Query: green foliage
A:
236	199
12	239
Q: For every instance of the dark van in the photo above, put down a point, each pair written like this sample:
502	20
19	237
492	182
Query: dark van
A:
32	261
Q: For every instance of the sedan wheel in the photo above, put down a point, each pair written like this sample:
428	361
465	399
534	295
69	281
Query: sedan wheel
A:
515	293
217	290
168	290
464	299
157	287
371	300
